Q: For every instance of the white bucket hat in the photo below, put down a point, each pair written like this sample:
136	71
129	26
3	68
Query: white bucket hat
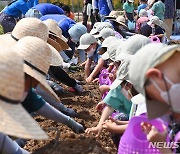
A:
32	27
155	20
14	119
37	57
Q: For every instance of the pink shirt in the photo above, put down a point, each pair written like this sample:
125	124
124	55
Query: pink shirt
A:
140	21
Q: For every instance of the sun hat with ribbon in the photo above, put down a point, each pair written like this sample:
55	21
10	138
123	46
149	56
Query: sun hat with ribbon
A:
56	31
32	27
148	57
124	55
37	58
14	119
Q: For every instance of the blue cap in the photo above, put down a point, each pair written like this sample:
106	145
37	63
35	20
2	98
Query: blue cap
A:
77	31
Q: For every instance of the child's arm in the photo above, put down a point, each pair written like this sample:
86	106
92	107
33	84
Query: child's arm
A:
96	70
113	127
87	67
105	115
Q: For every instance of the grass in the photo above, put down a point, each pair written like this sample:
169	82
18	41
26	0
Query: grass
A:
1	30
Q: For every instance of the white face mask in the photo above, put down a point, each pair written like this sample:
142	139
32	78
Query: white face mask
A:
24	96
174	95
90	53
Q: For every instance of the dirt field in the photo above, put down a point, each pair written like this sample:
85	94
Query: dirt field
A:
69	142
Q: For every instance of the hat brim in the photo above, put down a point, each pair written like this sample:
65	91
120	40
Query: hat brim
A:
83	47
61	40
93	31
110	17
56	57
42	80
105	56
15	121
116	83
120	23
56	45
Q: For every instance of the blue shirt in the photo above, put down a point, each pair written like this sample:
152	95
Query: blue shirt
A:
19	7
47	8
104	6
96	56
142	6
64	22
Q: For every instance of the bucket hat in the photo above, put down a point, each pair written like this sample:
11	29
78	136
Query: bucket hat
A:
76	31
155	20
32	27
150	56
36	64
14	119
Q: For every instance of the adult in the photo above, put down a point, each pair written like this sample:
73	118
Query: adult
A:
44	8
168	17
104	7
70	29
13	12
88	12
158	9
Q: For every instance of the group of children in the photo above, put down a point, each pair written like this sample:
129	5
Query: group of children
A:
138	76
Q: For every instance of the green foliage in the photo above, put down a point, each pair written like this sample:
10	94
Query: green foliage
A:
1	30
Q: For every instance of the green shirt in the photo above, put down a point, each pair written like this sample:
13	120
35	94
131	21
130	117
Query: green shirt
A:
33	102
159	9
118	101
128	7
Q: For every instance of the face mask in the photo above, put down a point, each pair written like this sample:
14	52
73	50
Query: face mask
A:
173	92
24	96
90	53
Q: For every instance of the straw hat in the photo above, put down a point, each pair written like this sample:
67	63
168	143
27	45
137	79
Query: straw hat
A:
31	27
36	64
56	32
120	20
112	15
14	120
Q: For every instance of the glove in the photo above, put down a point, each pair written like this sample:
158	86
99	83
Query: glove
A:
74	68
75	126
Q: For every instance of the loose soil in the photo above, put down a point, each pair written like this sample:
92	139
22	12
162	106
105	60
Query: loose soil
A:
62	140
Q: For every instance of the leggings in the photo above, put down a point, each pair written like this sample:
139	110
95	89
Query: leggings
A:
7	146
59	74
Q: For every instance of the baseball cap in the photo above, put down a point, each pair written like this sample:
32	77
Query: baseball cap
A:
132	45
76	31
143	13
148	57
155	20
124	54
111	50
101	26
105	32
86	40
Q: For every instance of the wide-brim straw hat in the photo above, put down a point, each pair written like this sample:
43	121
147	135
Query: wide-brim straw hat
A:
14	119
120	20
36	64
112	15
34	27
55	30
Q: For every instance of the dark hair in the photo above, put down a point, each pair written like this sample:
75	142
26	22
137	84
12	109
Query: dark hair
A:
66	8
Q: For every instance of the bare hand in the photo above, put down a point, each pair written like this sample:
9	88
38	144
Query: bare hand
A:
95	130
100	106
